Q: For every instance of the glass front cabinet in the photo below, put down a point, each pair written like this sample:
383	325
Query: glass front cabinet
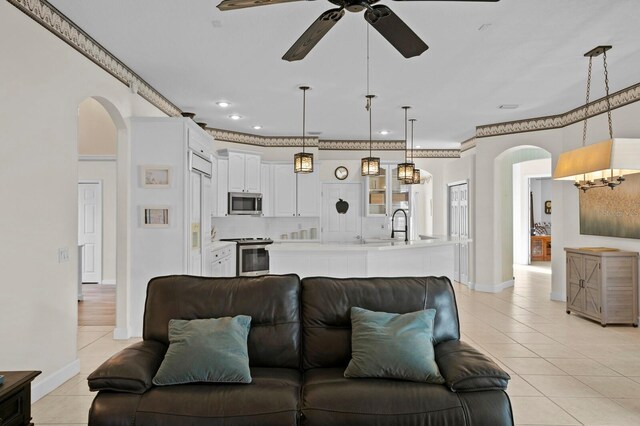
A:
385	194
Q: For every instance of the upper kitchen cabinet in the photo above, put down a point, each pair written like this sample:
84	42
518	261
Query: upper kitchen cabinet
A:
295	195
385	194
244	172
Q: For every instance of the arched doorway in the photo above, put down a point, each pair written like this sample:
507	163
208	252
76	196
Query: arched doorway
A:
504	204
102	141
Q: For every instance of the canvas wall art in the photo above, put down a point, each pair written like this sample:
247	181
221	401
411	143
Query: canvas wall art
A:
612	213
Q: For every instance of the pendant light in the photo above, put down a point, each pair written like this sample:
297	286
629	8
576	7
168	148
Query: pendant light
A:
369	166
405	170
415	179
303	161
605	163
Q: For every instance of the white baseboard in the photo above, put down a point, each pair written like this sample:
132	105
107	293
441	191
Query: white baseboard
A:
49	383
121	333
108	282
492	288
560	297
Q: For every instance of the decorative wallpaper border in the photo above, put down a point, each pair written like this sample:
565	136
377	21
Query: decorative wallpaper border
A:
256	140
55	21
597	107
468	144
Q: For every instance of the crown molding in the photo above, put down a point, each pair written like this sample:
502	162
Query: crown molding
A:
56	22
597	107
468	144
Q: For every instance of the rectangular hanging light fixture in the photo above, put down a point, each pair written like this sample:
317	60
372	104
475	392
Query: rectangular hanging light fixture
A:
607	160
303	162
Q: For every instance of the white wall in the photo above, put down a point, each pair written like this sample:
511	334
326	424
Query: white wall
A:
96	131
45	80
105	171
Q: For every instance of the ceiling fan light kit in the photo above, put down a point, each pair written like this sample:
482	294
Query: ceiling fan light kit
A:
380	17
303	161
603	164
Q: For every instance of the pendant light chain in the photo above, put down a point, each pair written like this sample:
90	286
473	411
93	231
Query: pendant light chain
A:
304	116
586	103
606	88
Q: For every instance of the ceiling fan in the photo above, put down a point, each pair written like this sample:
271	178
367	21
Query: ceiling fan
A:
380	17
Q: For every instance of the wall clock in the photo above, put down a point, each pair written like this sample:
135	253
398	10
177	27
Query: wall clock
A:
341	172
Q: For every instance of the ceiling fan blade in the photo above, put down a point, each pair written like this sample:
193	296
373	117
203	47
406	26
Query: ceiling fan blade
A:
241	4
391	27
314	33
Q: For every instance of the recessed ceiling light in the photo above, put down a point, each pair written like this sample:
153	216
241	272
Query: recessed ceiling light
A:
235	117
223	104
417	146
314	133
384	132
508	106
257	127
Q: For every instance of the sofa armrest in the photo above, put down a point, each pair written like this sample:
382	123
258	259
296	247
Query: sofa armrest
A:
130	370
466	369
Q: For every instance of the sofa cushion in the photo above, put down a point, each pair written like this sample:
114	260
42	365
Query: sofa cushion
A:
326	304
393	346
206	350
271	301
330	399
272	398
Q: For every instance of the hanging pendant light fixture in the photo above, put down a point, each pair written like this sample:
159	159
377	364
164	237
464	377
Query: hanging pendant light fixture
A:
405	170
602	164
369	166
303	161
415	179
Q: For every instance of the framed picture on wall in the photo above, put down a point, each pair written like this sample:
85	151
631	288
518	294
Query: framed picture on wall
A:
155	176
155	216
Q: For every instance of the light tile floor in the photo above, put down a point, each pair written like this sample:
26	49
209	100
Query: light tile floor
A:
565	370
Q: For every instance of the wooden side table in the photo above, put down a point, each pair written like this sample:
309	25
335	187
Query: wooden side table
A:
15	398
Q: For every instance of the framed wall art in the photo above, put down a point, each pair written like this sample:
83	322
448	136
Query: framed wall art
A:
612	213
155	176
155	216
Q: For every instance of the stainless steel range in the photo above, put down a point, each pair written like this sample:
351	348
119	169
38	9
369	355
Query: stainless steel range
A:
252	256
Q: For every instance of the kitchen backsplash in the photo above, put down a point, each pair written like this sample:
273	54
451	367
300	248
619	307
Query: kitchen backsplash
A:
256	227
275	227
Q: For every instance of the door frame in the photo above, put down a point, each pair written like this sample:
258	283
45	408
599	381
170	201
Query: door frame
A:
100	228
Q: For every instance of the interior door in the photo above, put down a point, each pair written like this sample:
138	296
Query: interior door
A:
338	227
90	230
459	228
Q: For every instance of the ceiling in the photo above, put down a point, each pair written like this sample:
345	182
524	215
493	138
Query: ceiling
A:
481	55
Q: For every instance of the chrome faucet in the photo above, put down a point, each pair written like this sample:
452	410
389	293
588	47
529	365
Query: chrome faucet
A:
406	221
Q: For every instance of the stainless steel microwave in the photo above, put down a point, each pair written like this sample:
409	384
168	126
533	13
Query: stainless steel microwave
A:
245	203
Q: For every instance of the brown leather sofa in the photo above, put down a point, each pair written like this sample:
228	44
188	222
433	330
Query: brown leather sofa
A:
299	346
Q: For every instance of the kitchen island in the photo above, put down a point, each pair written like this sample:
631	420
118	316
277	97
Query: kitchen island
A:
370	258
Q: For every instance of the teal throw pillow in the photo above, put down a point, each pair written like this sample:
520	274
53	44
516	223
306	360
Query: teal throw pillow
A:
393	346
206	350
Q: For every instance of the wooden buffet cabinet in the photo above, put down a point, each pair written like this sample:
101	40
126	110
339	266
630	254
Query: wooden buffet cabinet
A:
602	284
541	248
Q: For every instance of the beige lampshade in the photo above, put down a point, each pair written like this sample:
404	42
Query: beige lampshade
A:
597	161
303	162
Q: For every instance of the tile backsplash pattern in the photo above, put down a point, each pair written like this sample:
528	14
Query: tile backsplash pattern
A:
274	227
256	227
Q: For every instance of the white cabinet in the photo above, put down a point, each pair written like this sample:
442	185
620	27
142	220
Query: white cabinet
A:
284	190
295	194
385	194
308	191
223	195
223	260
266	189
244	172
